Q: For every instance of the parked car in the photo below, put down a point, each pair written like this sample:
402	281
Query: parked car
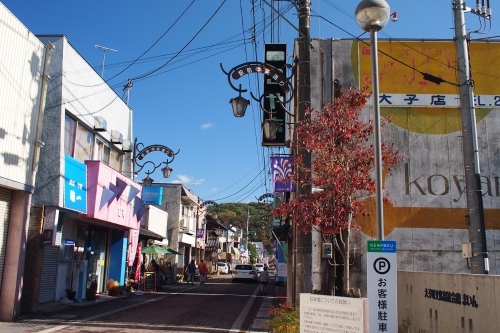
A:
223	267
259	268
244	272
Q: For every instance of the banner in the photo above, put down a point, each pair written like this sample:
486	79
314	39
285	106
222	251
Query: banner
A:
200	233
282	168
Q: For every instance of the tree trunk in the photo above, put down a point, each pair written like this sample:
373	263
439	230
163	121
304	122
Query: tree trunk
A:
345	234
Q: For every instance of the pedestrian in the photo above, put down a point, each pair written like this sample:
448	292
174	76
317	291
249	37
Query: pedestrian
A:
264	280
202	267
156	268
191	270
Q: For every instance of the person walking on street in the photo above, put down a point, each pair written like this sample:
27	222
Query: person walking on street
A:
202	267
264	280
191	270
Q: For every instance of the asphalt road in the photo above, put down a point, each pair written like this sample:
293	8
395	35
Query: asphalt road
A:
217	306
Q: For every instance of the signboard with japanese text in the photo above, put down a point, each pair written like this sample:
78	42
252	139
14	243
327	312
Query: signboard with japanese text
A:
324	313
382	286
75	185
275	55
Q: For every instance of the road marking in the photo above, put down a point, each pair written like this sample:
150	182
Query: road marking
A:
60	327
244	313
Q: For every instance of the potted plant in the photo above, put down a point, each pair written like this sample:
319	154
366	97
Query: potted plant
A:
92	291
76	266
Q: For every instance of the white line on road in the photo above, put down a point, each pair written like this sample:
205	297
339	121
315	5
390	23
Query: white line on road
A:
244	313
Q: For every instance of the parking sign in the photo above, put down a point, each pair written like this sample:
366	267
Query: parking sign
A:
382	286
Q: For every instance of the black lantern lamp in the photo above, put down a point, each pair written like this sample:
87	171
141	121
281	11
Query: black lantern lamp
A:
167	171
270	128
239	105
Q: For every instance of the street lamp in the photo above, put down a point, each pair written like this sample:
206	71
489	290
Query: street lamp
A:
138	155
372	16
239	104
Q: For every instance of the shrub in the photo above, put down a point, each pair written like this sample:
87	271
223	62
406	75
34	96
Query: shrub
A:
113	287
284	319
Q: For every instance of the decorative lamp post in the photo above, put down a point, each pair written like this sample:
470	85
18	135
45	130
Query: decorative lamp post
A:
372	16
138	155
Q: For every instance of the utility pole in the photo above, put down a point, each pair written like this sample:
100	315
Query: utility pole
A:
479	263
127	88
248	219
302	243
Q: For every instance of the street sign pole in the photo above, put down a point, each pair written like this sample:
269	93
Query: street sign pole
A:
382	286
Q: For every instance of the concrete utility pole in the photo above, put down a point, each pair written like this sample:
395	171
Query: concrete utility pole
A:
248	220
301	280
479	263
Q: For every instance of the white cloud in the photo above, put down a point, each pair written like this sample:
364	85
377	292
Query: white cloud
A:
214	189
188	180
207	126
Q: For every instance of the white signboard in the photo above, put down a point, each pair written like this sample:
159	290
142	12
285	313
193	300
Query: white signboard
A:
382	286
282	269
324	313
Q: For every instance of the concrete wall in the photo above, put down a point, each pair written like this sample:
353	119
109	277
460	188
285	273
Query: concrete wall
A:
427	213
447	303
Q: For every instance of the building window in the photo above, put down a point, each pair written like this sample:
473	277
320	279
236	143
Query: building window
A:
79	143
109	156
84	145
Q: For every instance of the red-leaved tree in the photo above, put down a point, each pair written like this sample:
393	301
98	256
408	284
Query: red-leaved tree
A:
342	159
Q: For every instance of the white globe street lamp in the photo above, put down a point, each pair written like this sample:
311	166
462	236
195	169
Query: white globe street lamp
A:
372	16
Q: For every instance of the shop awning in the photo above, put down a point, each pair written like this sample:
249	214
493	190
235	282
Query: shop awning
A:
147	234
236	253
212	244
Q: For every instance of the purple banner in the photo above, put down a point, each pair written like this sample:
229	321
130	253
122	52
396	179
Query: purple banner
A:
200	233
282	170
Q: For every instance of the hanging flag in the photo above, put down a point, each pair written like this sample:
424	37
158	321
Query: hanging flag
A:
200	233
282	168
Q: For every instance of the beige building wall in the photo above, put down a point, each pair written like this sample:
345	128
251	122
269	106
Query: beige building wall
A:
448	303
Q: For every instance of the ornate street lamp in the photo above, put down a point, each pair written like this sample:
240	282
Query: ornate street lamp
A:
138	155
372	16
239	104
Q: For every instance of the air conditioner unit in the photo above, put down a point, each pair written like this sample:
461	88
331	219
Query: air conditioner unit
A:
100	124
116	137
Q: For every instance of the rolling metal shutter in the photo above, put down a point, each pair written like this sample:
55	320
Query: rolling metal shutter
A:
49	274
5	199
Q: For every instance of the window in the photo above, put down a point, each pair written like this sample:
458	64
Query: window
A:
84	145
69	136
78	141
109	156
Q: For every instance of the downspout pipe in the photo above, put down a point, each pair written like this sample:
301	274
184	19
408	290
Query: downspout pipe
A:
49	48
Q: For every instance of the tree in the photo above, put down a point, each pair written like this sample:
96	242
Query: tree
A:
342	158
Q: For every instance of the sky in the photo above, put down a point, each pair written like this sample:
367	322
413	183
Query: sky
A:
172	51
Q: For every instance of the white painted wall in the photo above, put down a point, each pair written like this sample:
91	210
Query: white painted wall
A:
21	68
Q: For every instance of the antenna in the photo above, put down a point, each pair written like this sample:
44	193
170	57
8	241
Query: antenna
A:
104	49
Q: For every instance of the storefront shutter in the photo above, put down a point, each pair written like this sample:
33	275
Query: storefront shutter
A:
49	274
5	198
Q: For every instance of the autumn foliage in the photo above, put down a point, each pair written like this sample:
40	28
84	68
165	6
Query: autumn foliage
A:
342	160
